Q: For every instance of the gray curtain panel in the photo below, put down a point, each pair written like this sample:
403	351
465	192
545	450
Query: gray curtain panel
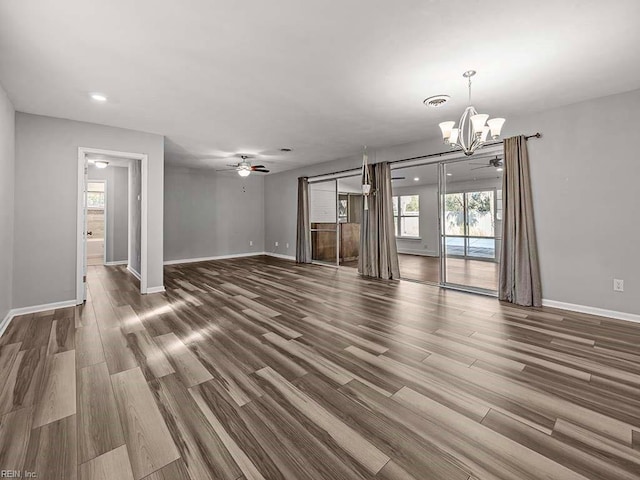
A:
303	234
519	266
378	252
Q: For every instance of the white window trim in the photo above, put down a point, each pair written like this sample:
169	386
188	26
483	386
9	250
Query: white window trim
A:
400	216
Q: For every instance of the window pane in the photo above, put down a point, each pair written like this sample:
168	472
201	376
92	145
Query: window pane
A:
454	246
499	204
480	214
395	225
454	214
395	207
410	227
482	247
410	205
95	199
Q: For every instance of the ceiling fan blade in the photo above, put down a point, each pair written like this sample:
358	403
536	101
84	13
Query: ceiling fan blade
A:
398	178
227	170
262	170
253	167
234	165
478	168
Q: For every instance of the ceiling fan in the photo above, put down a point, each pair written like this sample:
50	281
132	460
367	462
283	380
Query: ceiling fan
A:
244	167
494	162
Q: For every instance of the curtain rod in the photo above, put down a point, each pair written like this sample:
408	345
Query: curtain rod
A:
430	155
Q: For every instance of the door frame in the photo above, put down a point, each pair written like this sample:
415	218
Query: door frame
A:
81	214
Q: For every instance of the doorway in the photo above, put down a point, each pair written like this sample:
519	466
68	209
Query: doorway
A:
448	221
415	216
96	221
471	222
335	213
109	219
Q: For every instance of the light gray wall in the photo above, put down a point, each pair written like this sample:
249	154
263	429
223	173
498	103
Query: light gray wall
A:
208	214
585	176
135	211
116	242
46	185
7	168
585	173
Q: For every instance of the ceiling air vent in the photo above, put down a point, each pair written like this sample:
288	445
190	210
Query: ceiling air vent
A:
436	101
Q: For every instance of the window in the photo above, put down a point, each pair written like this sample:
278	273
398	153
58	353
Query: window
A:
95	196
406	218
470	223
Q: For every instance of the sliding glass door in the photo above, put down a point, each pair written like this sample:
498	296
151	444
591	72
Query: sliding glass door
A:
323	216
335	210
471	223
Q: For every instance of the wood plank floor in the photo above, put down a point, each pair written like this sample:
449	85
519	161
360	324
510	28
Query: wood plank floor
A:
258	368
470	273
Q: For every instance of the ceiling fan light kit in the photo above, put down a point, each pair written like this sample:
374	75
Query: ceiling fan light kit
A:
473	128
244	167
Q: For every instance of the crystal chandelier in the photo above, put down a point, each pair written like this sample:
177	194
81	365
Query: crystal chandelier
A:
473	128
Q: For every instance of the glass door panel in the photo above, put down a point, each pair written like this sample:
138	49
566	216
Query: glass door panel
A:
350	206
416	221
323	216
480	217
470	223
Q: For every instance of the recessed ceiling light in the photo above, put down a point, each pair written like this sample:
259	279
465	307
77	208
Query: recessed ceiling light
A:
101	164
449	174
436	101
415	179
98	97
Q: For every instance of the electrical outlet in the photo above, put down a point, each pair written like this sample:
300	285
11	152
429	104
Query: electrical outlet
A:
251	243
276	244
618	285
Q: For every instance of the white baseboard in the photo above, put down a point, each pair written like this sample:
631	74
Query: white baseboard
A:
5	322
217	257
280	255
133	272
14	312
159	289
601	312
118	262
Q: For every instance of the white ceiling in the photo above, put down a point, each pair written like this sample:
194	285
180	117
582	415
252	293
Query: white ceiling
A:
324	78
